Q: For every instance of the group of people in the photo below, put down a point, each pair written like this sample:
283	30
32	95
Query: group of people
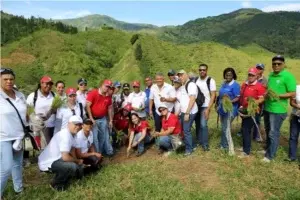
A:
96	122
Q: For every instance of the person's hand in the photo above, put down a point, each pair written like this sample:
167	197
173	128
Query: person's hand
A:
155	134
110	124
79	161
98	155
134	144
206	114
92	119
186	117
163	99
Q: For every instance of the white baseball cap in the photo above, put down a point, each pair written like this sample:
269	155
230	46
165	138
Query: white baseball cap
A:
75	119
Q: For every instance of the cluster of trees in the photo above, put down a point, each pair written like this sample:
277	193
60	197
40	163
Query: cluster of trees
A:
15	27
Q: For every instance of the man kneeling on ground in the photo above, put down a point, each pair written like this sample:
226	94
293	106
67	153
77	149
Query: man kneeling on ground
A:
59	156
169	138
85	148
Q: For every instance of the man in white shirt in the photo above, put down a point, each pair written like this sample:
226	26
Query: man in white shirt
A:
137	100
188	108
85	148
208	87
177	86
161	92
59	155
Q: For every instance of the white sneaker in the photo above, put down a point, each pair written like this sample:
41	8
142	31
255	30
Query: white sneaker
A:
266	160
168	153
243	155
262	152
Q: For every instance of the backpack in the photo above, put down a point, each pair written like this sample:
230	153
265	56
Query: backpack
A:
200	97
36	95
81	110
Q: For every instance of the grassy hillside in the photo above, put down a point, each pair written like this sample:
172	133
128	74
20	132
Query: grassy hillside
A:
97	21
109	53
277	31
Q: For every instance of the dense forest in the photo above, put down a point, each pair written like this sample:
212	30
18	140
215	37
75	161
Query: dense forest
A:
16	27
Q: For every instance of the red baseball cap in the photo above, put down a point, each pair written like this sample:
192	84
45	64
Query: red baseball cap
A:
71	91
108	82
253	71
136	84
127	107
46	79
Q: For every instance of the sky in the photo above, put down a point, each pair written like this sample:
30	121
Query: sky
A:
159	13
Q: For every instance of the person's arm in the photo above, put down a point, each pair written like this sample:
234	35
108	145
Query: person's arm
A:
287	95
67	157
151	102
172	97
81	155
294	104
192	93
260	100
110	116
89	111
290	85
144	132
236	92
167	132
131	135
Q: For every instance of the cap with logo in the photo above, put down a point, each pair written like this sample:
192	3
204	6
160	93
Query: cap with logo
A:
253	71
75	119
82	81
46	79
108	83
128	107
260	66
181	72
70	91
136	84
171	72
117	84
126	86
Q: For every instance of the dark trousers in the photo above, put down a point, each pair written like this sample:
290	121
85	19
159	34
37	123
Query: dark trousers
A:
294	135
94	163
157	122
64	171
247	125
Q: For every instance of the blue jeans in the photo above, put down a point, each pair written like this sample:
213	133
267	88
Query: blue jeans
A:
101	137
223	119
11	165
202	128
164	142
141	145
188	138
273	122
294	135
64	171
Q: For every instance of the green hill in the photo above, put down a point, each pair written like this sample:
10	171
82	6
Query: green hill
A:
96	55
276	31
98	21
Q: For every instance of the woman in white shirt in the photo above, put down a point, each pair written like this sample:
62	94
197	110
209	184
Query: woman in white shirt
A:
41	100
60	90
137	100
71	108
11	131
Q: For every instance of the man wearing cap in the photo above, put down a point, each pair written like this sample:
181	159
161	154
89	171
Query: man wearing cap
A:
99	105
260	76
85	148
250	89
41	100
117	86
148	83
188	108
59	156
177	85
122	99
207	86
283	84
161	92
169	138
82	91
137	100
171	74
72	107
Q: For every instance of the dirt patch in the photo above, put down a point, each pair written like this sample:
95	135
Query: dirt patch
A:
18	57
256	193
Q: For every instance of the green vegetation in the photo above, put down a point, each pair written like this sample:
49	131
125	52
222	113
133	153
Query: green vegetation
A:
98	21
15	27
277	32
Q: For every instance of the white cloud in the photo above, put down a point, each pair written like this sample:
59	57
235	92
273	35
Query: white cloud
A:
246	4
71	14
282	7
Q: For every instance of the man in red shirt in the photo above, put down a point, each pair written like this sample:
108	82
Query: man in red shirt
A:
99	106
169	138
250	89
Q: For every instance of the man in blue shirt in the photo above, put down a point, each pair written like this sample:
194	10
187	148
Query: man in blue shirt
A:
148	83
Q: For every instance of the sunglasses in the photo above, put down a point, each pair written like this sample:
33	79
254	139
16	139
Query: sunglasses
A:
251	75
48	83
276	64
7	71
161	110
202	70
136	87
82	84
